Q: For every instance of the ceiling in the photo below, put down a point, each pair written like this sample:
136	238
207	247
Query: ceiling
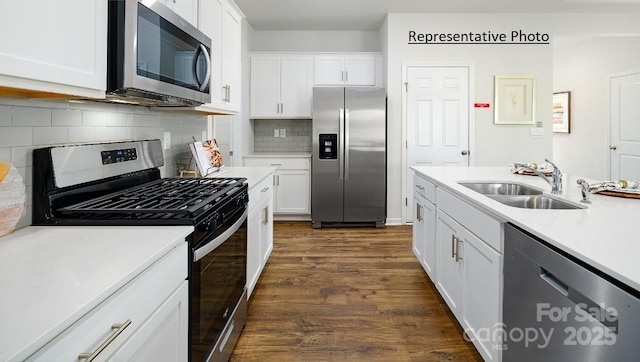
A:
346	15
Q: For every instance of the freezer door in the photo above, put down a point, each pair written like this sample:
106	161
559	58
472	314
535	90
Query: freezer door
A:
327	173
365	155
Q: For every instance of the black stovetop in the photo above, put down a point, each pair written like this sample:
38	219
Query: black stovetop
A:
163	201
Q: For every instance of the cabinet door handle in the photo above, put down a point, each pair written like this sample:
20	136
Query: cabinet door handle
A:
346	76
418	216
117	329
281	107
227	93
453	246
277	180
458	257
273	180
265	215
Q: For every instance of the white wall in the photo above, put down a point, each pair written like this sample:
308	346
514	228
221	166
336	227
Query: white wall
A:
582	66
494	145
588	48
315	41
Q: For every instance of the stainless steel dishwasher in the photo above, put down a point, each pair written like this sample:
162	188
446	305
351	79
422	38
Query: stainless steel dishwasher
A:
557	308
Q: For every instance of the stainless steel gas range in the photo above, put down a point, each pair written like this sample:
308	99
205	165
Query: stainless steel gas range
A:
119	184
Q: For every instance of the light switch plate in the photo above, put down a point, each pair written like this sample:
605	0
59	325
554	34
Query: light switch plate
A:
537	132
283	132
276	133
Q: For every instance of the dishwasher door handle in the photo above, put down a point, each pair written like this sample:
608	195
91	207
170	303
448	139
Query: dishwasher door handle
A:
554	282
599	312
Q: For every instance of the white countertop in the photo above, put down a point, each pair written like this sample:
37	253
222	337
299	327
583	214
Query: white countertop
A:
603	235
253	174
50	276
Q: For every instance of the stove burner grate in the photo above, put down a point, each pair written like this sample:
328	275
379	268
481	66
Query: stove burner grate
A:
164	196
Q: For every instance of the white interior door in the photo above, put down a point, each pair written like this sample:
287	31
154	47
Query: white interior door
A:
437	119
624	146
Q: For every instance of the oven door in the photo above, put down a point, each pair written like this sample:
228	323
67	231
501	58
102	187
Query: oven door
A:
218	278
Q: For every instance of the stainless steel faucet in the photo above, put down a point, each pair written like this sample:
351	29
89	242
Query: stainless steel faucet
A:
555	180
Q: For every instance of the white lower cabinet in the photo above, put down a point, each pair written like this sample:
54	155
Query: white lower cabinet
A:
292	183
482	305
450	265
424	234
164	336
146	320
293	192
259	230
467	268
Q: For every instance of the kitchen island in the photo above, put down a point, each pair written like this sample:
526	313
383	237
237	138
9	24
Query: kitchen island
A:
463	238
602	235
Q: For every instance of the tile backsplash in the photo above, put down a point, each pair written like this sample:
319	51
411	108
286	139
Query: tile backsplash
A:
297	135
26	124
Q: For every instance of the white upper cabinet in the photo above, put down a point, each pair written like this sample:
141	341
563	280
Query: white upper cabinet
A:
347	70
221	21
187	9
231	38
54	47
281	85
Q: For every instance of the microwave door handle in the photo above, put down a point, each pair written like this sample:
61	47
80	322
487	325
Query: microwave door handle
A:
201	49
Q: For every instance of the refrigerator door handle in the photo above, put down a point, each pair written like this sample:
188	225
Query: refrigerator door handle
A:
346	144
341	144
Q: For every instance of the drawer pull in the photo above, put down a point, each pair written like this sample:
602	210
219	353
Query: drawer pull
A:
117	329
264	189
420	187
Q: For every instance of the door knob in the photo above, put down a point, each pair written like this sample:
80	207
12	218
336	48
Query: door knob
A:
612	147
465	152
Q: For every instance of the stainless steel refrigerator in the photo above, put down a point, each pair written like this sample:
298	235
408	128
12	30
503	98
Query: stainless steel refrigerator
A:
348	169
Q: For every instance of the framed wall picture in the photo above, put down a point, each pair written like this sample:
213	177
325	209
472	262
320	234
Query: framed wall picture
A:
562	112
514	100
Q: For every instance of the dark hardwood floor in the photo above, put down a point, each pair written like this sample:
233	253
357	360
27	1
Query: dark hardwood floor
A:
354	294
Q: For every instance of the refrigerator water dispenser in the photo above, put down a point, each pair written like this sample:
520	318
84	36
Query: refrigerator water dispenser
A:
328	144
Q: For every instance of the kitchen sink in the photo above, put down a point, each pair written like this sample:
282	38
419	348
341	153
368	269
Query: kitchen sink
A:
501	188
534	202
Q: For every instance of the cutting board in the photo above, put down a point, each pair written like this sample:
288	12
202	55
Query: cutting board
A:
529	173
620	194
12	197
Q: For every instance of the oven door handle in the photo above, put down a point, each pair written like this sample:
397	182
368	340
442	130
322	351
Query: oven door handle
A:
213	244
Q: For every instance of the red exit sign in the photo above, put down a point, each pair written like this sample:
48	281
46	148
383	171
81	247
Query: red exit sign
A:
481	105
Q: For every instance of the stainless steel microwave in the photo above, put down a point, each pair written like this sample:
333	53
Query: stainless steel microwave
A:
155	57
